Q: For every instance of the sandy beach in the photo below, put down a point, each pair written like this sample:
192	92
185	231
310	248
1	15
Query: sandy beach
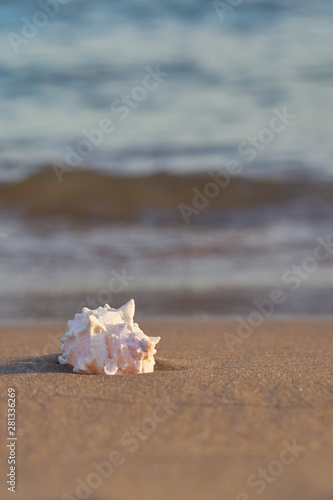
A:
208	423
173	159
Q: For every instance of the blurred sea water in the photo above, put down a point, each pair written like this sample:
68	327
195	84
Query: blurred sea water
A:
225	77
225	80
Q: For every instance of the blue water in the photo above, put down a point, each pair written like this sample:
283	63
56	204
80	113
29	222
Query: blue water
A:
225	78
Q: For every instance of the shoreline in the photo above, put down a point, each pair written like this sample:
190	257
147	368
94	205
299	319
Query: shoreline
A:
283	317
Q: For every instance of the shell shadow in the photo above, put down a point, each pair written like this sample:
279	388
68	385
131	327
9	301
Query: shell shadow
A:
38	364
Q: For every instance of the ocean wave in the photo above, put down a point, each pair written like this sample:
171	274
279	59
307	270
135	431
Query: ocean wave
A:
163	197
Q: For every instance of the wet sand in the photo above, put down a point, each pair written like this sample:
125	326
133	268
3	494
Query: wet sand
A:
205	422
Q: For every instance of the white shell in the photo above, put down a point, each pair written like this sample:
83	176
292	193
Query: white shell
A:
107	341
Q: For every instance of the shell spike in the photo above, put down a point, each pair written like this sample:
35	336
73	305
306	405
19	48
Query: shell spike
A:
128	311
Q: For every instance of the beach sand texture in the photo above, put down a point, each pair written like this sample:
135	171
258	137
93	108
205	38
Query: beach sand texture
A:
197	428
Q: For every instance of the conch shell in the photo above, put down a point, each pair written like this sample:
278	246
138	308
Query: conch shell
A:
107	341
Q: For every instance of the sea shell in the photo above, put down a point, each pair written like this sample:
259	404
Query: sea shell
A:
107	341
